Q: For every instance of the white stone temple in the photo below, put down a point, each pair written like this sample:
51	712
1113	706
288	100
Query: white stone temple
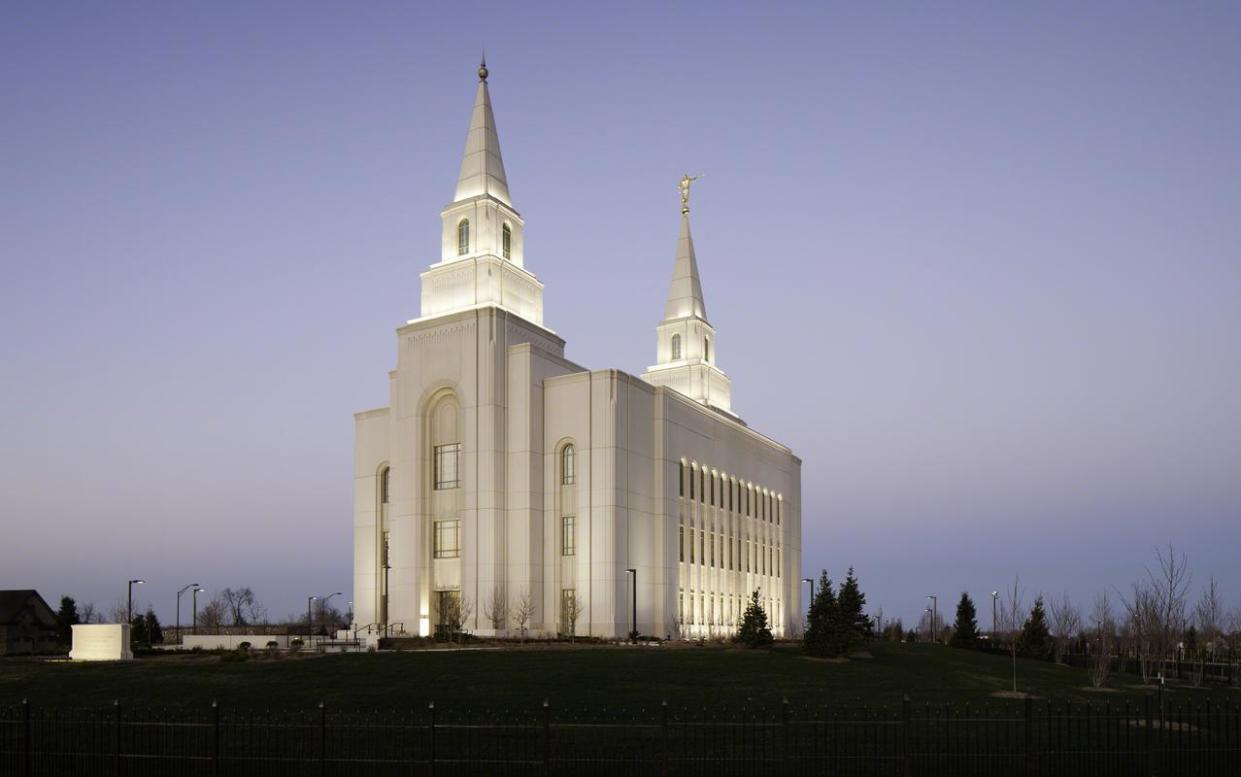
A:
504	480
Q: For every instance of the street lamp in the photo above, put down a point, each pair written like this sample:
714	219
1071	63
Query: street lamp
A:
194	626
994	596
934	613
183	590
310	619
327	599
129	607
633	631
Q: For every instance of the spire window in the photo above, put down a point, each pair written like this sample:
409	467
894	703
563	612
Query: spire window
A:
676	347
706	348
506	241
463	237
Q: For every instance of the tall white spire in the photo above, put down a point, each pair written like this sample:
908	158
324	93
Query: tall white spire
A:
685	349
482	166
482	248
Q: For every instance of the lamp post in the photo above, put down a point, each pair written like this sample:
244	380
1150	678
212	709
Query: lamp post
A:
633	626
994	596
310	619
327	599
194	625
183	590
351	615
934	613
129	607
809	580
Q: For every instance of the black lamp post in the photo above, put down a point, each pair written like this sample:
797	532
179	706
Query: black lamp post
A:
129	607
994	595
183	590
633	631
934	614
194	623
310	619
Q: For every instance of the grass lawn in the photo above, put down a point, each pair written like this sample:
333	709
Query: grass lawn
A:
591	677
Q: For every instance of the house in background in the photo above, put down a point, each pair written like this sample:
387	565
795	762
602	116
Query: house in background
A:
27	624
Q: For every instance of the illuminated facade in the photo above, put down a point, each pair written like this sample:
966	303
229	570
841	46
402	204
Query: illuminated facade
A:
504	478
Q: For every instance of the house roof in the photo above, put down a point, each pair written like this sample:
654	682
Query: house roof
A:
12	603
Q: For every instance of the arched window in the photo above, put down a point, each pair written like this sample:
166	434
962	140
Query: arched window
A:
706	348
568	465
463	237
383	486
676	347
506	241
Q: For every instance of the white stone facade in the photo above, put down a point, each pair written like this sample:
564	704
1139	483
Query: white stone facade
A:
501	472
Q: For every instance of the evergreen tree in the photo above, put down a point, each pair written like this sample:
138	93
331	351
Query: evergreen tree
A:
1035	637
138	630
754	631
965	630
821	618
66	617
154	632
853	618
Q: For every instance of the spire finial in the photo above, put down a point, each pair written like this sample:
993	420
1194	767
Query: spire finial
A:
482	68
683	185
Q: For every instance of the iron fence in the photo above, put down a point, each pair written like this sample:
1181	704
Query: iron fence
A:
1029	738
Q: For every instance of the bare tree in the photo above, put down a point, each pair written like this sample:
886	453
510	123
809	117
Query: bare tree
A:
1142	626
1209	616
1012	615
495	609
89	615
1065	622
119	612
242	606
572	611
1156	610
1103	631
523	612
213	614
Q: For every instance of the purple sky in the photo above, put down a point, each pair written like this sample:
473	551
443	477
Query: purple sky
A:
979	265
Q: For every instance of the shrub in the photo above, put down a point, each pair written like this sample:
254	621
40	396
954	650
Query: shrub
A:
754	630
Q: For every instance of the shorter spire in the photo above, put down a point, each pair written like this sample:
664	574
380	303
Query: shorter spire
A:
482	167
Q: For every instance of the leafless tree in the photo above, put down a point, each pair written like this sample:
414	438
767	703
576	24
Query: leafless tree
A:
495	609
1142	626
119	613
1209	616
242	606
1013	614
89	615
572	611
1065	622
213	614
1103	634
523	612
1156	610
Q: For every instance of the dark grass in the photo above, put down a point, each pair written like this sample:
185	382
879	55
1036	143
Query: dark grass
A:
587	678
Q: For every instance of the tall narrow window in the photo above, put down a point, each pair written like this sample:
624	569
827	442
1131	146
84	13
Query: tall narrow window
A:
706	349
676	347
691	484
680	478
702	485
447	466
568	536
712	544
463	237
383	486
691	546
506	241
447	539
568	465
682	542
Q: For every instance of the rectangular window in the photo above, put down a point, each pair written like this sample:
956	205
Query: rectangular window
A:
747	502
730	497
691	546
702	486
730	553
682	542
691	485
680	478
702	546
713	482
747	555
568	537
448	466
712	544
447	539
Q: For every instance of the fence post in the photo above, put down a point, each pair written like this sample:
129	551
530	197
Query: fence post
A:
215	738
322	740
547	737
431	759
116	749
905	723
27	767
1029	736
1148	736
667	743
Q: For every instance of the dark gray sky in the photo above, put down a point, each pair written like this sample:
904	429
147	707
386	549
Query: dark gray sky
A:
978	264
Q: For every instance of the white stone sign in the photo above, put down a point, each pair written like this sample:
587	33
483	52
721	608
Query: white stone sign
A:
101	642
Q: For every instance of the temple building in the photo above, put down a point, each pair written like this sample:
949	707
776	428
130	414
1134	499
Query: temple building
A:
505	487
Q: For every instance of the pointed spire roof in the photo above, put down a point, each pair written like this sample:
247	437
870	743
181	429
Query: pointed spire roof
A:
482	167
685	294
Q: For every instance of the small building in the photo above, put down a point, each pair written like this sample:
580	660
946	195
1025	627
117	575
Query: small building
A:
27	624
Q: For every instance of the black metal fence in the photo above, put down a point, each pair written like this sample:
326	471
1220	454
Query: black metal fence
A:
1029	738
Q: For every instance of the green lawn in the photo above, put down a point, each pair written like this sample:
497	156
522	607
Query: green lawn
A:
593	677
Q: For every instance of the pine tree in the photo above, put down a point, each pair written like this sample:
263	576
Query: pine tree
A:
154	632
138	630
754	631
821	618
965	630
66	617
1035	636
853	618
